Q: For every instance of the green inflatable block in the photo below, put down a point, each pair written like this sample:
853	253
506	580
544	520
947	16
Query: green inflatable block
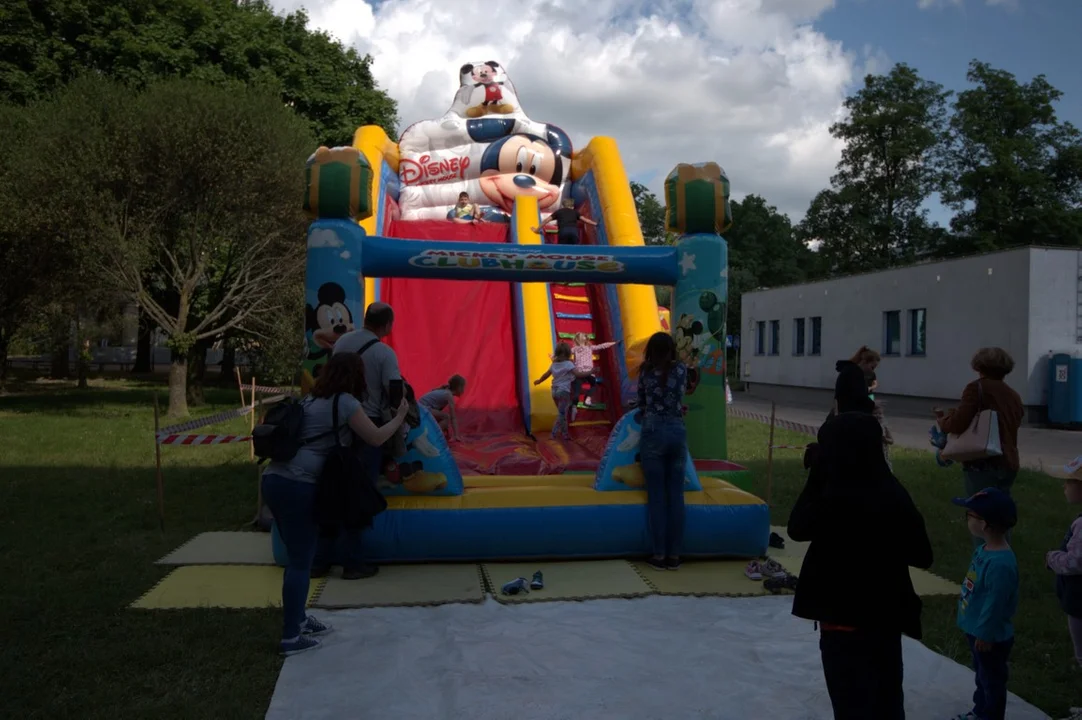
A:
338	184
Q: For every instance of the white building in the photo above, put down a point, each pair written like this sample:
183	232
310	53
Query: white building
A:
926	320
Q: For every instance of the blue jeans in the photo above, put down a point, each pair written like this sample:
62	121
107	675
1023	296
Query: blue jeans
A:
990	668
978	479
663	451
292	502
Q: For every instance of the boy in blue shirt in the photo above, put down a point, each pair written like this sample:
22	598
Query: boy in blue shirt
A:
989	599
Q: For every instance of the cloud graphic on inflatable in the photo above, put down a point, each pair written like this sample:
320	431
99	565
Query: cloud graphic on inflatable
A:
344	255
324	238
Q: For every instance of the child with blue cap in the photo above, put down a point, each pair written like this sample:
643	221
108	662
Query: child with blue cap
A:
989	599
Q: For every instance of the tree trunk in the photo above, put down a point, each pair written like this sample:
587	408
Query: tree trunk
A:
197	370
4	343
143	347
178	383
229	362
59	363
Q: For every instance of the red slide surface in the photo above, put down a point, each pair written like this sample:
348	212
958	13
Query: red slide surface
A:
447	327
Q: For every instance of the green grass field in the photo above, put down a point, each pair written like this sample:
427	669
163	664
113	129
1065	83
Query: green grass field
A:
80	535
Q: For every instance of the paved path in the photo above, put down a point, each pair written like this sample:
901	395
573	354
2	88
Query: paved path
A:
1036	446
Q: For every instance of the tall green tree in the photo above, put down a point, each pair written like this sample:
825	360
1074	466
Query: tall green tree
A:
872	217
763	251
651	215
1011	170
44	45
187	197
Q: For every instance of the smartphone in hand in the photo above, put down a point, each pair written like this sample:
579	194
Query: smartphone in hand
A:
396	390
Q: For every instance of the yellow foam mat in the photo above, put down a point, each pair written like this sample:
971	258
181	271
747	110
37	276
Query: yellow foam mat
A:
583	580
219	586
223	548
927	584
703	577
403	585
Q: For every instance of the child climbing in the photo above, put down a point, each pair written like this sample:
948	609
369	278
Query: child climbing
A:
562	372
441	403
582	353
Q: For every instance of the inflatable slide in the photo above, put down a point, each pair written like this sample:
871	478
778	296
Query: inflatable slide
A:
447	226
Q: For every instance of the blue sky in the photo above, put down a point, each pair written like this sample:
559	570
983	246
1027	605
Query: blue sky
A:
1027	38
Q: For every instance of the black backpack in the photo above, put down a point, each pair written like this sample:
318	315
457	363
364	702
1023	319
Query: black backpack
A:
279	436
345	494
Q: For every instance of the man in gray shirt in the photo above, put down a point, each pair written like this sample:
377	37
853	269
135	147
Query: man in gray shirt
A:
380	368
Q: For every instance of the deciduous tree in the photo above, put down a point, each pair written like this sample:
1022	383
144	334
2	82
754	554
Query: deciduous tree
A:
1011	171
188	193
873	216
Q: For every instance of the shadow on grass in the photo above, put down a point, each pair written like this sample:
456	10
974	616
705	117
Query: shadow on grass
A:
1041	668
64	398
80	544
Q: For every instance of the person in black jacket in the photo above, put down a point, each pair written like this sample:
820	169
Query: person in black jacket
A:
851	393
855	587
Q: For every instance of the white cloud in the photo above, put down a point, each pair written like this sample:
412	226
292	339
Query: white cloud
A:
928	4
750	84
324	238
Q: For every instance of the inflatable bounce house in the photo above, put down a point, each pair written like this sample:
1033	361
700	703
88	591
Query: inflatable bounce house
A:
448	226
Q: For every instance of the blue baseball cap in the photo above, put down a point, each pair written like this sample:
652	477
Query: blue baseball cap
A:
995	506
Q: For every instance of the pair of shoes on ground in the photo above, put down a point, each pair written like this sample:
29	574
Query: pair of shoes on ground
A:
361	572
521	584
765	568
311	631
671	563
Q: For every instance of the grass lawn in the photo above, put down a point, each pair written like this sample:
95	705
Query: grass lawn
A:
80	534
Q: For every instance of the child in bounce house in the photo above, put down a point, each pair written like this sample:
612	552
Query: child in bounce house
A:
441	403
663	450
582	353
464	211
562	372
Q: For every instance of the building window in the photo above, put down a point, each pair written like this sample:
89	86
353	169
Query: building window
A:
775	337
798	336
760	338
892	332
917	330
816	336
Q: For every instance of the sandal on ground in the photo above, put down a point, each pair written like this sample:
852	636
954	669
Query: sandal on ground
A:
754	570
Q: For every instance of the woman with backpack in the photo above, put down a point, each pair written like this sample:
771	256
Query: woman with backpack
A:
289	486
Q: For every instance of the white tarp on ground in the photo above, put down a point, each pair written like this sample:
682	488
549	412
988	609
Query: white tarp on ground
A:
656	657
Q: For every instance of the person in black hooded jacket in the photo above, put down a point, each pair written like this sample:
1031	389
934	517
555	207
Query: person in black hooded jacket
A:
855	587
851	392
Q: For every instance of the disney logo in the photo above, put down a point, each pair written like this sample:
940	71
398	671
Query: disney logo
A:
427	170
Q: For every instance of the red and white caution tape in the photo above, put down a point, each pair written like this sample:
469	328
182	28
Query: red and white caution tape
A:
269	390
778	422
204	421
788	447
164	439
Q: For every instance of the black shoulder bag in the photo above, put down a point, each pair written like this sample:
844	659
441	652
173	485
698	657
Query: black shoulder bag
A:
345	495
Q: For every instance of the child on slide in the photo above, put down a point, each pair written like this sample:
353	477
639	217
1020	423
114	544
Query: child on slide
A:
582	354
441	403
562	372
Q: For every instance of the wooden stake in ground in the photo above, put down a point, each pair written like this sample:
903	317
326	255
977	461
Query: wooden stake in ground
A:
251	421
158	466
770	456
240	385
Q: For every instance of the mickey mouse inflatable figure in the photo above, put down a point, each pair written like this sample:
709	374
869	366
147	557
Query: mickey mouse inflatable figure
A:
484	75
